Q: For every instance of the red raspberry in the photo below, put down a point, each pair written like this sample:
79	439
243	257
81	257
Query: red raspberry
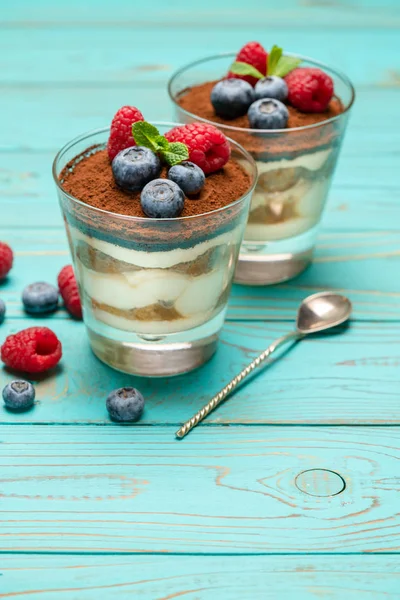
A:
32	350
208	147
310	90
69	291
253	54
6	259
121	130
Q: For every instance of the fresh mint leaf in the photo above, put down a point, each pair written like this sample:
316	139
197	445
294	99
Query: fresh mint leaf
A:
273	59
175	153
162	143
145	134
285	65
242	68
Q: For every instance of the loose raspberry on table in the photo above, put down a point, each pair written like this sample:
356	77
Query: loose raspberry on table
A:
6	259
121	130
208	147
69	291
32	350
310	90
255	55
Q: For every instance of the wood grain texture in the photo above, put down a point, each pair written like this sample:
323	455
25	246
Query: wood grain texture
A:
57	113
116	56
311	14
226	490
194	577
352	377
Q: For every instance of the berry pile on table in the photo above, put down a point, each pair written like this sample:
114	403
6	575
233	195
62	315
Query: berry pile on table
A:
37	350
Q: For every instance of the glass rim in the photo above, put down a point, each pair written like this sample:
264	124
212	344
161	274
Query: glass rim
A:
287	130
89	134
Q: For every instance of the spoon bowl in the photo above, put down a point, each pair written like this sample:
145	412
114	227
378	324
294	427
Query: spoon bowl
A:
322	311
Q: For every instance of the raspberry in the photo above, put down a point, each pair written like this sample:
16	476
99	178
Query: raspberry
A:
69	291
310	90
121	130
32	350
208	147
253	54
6	259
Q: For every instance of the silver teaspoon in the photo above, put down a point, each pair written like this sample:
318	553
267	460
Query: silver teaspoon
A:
316	313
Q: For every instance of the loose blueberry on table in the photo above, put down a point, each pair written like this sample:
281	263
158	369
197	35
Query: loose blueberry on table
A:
19	395
40	298
125	405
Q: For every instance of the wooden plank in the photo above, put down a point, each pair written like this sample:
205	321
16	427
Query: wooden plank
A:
229	577
289	13
222	490
55	114
110	56
363	265
341	379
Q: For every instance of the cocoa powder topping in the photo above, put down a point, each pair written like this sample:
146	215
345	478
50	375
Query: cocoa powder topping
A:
91	181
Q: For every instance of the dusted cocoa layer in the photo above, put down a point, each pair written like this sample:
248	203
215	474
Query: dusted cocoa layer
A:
196	100
91	181
88	178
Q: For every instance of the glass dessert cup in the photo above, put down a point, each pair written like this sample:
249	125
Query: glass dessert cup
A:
295	169
154	291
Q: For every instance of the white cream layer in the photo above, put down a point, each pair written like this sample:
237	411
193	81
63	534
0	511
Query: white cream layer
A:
157	260
126	291
307	197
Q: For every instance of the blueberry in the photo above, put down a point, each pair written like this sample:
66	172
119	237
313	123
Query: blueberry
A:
40	298
271	87
162	199
19	395
2	311
125	404
188	176
134	167
268	113
231	98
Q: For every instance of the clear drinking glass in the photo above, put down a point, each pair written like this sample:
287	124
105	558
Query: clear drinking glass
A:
295	168
154	291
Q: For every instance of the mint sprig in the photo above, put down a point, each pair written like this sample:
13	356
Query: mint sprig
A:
285	65
277	64
273	59
242	68
146	134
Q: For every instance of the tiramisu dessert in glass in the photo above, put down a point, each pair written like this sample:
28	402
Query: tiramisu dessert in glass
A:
290	113
155	216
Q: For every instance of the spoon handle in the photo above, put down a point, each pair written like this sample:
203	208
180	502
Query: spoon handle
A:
218	398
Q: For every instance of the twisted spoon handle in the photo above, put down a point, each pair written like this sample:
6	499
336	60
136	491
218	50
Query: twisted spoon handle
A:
218	398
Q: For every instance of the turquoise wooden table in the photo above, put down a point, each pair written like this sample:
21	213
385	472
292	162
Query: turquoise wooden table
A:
291	489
